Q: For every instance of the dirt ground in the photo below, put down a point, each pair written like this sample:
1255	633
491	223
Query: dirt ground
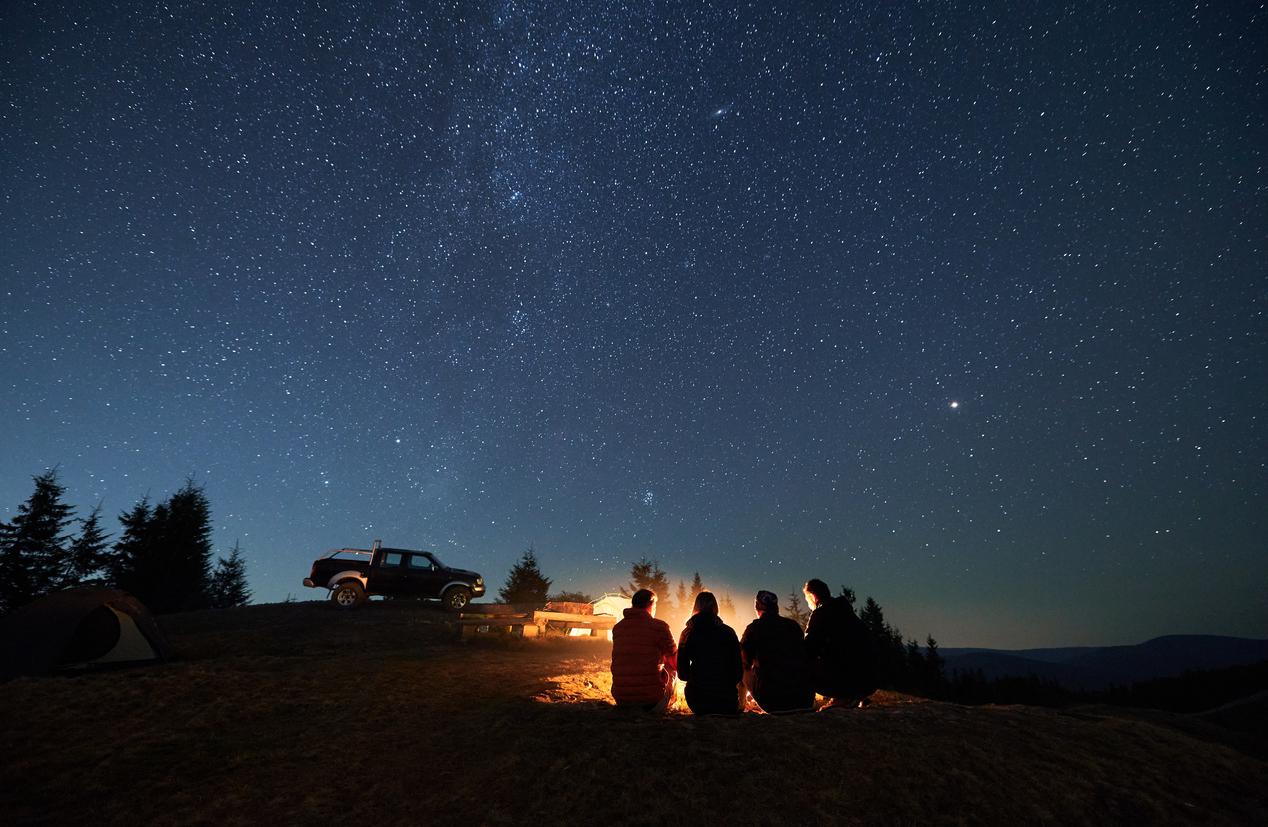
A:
299	713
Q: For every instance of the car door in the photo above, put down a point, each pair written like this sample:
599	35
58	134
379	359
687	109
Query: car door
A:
388	577
423	576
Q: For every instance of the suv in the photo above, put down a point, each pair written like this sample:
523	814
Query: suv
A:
354	574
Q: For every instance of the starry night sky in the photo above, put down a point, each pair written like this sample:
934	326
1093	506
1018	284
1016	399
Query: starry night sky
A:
960	304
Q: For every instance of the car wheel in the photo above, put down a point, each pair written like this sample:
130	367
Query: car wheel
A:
456	598
348	595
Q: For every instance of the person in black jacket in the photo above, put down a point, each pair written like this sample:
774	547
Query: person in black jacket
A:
709	660
839	648
773	652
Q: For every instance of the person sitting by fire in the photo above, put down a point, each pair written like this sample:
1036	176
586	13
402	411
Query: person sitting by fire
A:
709	660
774	658
839	649
644	657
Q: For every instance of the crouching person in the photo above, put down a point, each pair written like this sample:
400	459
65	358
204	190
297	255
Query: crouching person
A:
644	657
839	647
775	669
709	660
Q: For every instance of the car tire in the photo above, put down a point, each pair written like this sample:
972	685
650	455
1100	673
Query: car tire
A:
456	598
348	595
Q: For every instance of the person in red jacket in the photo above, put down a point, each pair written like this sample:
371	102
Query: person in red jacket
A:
644	657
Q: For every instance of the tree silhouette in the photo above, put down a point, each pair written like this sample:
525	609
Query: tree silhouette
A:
34	547
89	557
132	565
848	594
697	585
797	610
228	588
647	574
525	583
186	538
163	556
727	608
684	599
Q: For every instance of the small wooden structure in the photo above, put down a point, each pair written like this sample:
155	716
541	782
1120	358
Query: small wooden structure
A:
531	624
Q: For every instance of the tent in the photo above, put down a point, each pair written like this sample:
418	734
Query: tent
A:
611	603
78	629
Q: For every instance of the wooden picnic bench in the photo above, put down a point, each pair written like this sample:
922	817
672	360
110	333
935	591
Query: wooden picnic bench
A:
531	624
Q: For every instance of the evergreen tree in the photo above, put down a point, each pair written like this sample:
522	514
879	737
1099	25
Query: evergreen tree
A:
525	584
185	535
90	551
647	574
874	619
797	610
726	608
848	594
228	587
163	556
913	667
934	679
35	549
683	599
131	564
697	585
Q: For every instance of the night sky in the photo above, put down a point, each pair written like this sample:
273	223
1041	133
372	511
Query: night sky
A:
960	304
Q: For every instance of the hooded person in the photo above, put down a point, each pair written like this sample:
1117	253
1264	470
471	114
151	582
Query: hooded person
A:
709	660
839	648
643	656
774	658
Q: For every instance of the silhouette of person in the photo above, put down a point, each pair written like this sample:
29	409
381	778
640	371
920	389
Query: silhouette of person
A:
643	656
774	659
839	648
709	660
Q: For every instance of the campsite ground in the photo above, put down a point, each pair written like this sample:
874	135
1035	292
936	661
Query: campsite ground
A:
298	713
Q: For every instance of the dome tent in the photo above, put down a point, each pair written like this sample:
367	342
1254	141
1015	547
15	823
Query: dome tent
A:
78	629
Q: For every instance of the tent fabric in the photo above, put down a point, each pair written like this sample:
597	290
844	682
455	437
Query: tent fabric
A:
81	628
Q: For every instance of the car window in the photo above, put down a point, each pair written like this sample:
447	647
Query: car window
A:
418	561
391	560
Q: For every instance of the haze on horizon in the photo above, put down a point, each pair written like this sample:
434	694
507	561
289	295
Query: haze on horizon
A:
963	307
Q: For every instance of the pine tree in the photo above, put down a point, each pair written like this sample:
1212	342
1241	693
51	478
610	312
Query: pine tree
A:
683	598
697	585
131	564
848	594
726	608
185	552
647	574
33	557
526	584
874	619
228	587
163	556
934	679
90	551
797	610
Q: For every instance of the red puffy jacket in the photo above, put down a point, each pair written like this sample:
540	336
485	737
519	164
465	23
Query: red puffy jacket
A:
644	658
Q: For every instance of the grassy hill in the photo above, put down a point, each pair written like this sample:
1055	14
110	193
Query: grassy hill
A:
298	713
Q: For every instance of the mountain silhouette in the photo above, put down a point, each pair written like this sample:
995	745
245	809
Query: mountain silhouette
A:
1098	667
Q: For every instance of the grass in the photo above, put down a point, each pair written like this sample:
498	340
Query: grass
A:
298	713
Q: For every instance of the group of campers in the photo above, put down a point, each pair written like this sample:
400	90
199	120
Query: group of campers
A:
771	668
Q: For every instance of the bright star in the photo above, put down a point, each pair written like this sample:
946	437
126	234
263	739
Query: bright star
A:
954	404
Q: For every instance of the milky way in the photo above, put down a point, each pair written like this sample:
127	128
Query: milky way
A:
961	306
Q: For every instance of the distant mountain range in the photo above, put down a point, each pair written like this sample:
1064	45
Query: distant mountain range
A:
1097	667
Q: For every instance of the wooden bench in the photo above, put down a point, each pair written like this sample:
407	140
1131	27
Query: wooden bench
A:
469	624
531	624
599	625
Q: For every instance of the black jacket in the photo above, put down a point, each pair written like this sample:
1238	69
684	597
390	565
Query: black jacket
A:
775	668
709	661
841	652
